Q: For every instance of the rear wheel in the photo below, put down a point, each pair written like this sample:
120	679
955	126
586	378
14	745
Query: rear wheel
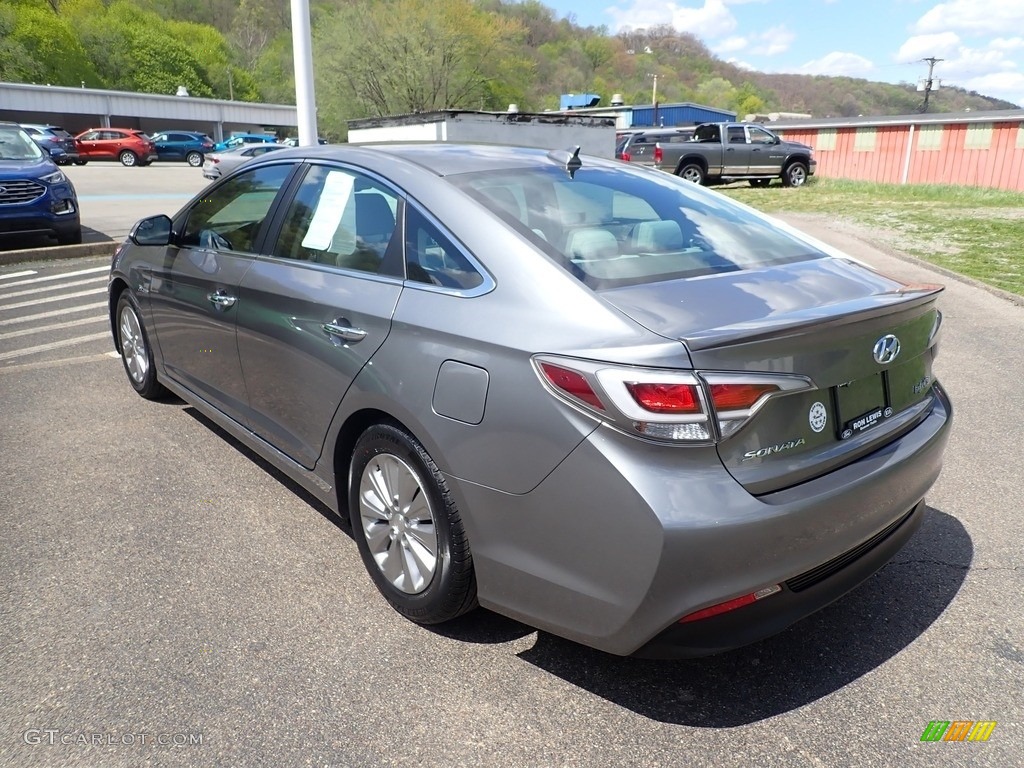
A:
795	174
194	159
692	172
136	353
81	162
128	158
408	529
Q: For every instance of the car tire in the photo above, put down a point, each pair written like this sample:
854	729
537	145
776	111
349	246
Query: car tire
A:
136	352
794	174
760	182
408	529
81	162
691	172
195	159
128	158
70	236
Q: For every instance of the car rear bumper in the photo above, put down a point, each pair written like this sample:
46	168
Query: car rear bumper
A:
625	538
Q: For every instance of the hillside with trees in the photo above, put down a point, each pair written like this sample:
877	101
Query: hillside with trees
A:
401	56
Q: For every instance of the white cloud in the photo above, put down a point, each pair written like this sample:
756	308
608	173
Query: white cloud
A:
943	44
1007	44
840	63
731	44
991	68
741	64
711	19
771	42
978	16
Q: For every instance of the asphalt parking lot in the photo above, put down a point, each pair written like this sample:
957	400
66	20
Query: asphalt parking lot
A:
170	600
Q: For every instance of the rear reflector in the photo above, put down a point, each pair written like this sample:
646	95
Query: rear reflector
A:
730	605
666	398
572	383
739	397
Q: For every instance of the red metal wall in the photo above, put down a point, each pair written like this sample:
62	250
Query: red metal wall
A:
1000	166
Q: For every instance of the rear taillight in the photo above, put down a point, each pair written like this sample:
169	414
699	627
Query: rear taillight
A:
626	157
665	398
664	404
571	383
659	153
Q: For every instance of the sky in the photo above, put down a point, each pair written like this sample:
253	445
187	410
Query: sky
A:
981	42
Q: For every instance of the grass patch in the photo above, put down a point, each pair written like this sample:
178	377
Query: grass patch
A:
976	232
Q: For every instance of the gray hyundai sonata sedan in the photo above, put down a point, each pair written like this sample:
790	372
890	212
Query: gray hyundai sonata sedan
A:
598	399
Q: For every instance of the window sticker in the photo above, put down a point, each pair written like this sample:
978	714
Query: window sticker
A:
330	207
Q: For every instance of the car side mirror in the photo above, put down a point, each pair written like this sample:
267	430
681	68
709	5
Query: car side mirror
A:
155	230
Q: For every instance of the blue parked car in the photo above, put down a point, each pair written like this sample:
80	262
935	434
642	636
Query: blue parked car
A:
190	146
36	198
244	138
55	140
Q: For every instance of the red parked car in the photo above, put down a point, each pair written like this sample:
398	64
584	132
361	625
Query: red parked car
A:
129	146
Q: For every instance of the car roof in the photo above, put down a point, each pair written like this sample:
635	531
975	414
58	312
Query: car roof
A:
446	159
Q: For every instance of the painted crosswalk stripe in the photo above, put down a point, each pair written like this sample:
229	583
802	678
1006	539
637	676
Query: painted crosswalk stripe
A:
56	287
53	345
47	278
23	273
52	313
52	327
51	299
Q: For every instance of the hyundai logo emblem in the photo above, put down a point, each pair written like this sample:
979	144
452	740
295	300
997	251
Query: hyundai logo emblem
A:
886	349
2	190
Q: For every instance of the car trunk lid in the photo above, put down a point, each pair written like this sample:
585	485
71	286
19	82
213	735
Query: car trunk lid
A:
832	321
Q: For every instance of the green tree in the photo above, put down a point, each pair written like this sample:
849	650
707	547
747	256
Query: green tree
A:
425	55
54	53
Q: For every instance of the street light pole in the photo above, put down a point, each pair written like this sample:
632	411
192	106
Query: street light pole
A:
305	99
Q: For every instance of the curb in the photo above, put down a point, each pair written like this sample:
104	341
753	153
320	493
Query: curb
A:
53	253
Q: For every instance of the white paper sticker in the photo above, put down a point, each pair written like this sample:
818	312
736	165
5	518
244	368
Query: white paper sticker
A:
818	417
330	207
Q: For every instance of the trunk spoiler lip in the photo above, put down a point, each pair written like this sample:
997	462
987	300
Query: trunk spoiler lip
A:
827	316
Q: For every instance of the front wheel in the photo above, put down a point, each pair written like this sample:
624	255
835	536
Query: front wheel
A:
795	174
127	158
408	529
81	162
194	159
692	172
136	353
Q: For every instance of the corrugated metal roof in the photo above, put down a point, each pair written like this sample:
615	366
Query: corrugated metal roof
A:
23	97
983	116
418	118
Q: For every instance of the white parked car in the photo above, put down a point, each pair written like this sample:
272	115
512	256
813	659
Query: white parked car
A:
219	163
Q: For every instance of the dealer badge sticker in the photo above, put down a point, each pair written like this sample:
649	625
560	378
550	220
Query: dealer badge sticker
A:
818	417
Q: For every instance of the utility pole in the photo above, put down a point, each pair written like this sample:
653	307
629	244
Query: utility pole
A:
932	61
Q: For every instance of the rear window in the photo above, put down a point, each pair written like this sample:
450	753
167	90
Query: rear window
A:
614	227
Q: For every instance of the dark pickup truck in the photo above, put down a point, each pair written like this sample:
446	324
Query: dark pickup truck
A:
723	152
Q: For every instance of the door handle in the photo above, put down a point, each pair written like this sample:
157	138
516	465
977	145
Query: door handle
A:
220	299
341	329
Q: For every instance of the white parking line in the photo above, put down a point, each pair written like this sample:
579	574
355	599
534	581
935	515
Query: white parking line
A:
52	313
50	277
20	367
53	345
43	288
51	299
52	327
18	274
